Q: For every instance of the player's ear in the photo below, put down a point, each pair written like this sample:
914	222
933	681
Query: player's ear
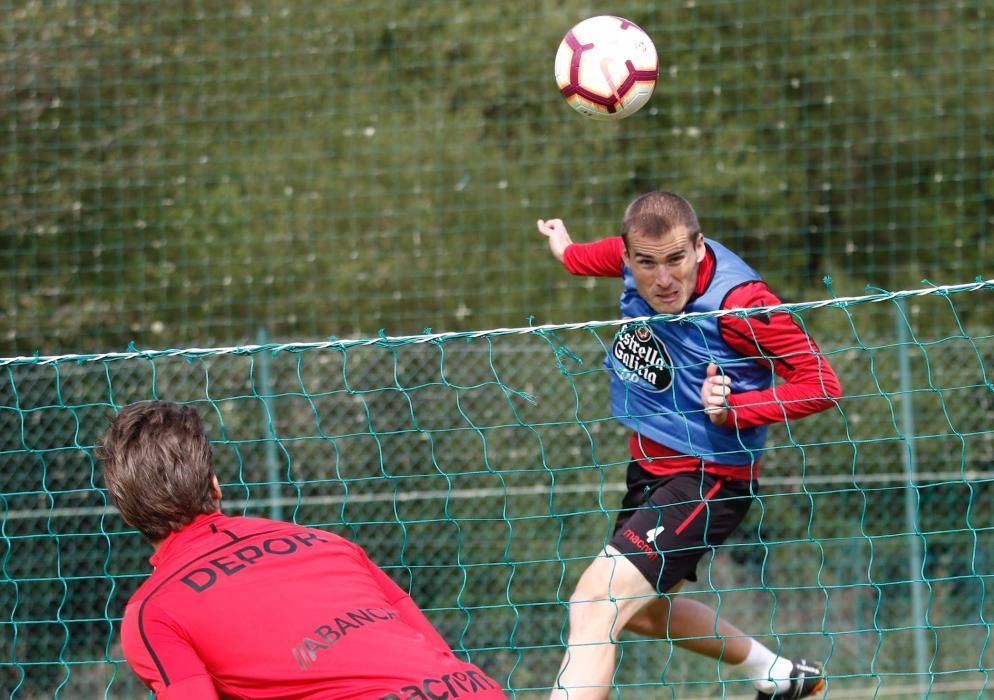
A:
699	249
215	488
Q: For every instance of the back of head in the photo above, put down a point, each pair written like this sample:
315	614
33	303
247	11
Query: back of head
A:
158	467
657	213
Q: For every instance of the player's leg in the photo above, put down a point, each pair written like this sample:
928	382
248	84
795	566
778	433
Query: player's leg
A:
615	588
608	593
591	663
694	626
698	513
691	625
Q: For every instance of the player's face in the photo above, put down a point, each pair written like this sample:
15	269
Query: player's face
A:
665	267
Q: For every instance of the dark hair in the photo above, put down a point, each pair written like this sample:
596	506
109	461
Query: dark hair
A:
658	213
158	467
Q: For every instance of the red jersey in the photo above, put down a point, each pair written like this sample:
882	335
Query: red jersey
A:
810	384
243	607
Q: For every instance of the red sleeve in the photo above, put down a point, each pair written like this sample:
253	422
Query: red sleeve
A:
404	605
598	259
809	382
173	670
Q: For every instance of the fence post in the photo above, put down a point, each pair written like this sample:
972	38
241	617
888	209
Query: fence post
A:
916	563
268	429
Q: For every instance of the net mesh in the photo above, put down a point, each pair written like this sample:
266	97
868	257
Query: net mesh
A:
483	470
241	176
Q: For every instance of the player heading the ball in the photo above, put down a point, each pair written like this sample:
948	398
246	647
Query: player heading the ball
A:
697	397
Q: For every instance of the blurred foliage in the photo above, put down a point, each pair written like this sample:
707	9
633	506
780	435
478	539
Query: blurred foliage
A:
182	174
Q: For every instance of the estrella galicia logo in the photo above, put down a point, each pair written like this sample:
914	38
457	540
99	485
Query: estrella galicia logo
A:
639	357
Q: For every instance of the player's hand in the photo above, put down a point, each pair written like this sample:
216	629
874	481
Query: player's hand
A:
714	394
555	231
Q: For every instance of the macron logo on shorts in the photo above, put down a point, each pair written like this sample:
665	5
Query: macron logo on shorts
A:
640	544
650	536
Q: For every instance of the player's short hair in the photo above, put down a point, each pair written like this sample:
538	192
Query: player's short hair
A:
158	467
658	213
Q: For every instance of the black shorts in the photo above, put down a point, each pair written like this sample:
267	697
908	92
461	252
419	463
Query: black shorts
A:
667	523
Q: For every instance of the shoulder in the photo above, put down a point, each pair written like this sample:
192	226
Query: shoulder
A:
145	605
303	535
144	626
239	523
750	294
147	587
730	263
245	526
743	332
315	532
722	278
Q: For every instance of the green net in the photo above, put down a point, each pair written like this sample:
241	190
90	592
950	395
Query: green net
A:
483	470
177	174
216	174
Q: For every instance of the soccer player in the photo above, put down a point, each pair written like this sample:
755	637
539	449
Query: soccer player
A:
241	607
697	396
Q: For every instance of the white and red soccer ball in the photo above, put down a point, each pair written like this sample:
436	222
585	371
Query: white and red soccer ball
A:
606	67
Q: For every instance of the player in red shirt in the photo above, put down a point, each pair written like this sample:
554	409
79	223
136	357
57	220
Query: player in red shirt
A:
240	607
698	397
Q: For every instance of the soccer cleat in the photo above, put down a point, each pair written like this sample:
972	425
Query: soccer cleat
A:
806	679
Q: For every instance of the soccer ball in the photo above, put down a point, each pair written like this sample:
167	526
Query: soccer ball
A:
606	67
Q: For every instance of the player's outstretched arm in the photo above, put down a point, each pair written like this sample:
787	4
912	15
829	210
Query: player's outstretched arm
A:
557	236
603	258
